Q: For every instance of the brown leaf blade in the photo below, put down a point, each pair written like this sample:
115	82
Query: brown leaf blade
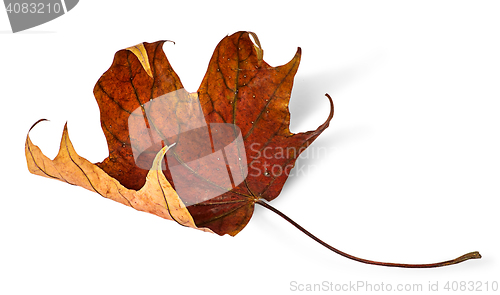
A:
233	145
124	88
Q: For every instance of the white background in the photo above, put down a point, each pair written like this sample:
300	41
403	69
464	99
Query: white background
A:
409	169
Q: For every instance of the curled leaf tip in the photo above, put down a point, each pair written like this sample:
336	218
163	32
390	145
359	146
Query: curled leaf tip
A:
140	52
41	120
257	46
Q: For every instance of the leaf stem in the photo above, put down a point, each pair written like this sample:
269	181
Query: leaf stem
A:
471	255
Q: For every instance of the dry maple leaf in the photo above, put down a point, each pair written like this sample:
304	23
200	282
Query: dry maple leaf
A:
202	159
